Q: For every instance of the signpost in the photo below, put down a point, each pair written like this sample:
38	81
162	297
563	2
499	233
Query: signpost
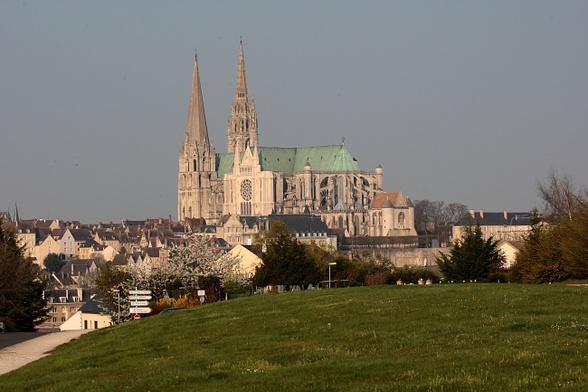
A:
141	310
139	302
140	292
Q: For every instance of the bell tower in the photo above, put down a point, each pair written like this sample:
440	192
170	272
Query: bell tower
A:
197	159
242	123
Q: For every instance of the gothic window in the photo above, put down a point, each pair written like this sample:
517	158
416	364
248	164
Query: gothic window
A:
401	219
195	163
246	208
246	190
340	222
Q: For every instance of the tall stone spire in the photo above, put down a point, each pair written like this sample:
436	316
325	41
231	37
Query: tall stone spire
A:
242	124
241	91
197	158
196	131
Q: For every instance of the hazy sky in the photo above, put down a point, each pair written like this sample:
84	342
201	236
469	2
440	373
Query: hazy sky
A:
460	101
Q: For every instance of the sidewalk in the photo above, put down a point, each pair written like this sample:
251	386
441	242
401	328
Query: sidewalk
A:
20	354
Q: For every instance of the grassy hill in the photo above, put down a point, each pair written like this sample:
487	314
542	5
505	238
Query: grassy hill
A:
470	337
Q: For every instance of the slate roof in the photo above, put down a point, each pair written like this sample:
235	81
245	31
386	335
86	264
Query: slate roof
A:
76	267
496	219
54	295
334	158
80	235
302	223
93	307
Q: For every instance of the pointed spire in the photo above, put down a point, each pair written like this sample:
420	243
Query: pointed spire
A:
16	217
242	124
196	131
241	91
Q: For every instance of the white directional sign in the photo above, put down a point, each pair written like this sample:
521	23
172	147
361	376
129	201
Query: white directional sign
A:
136	297
140	292
139	303
141	310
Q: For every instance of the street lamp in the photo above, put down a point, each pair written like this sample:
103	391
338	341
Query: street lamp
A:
330	264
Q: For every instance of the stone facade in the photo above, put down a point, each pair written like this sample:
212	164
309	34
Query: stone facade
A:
252	180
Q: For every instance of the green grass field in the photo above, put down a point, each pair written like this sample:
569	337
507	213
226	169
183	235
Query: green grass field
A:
468	337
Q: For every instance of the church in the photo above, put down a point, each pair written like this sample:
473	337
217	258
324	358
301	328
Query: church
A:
250	180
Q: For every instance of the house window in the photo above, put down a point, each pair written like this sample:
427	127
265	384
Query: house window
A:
85	324
54	319
95	324
62	319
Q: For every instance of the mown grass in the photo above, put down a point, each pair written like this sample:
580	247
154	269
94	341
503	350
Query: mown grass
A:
468	337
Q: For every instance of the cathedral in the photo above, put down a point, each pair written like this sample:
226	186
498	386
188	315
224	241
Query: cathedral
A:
250	180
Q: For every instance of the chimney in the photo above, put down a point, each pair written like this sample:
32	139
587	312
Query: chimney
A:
481	214
473	213
505	215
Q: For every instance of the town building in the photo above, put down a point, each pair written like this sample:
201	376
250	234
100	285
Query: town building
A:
504	226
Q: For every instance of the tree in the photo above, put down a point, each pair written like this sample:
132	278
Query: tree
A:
560	196
198	258
437	218
53	263
556	248
284	259
21	290
471	257
112	291
540	259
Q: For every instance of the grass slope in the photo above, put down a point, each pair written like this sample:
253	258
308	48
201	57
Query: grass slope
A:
470	337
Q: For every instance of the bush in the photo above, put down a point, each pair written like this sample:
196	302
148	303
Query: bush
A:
377	278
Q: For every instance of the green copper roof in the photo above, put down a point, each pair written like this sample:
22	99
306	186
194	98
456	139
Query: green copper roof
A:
334	158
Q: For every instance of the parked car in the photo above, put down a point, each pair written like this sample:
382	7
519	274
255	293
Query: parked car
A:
169	310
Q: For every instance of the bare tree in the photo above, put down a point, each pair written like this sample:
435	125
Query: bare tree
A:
560	196
454	212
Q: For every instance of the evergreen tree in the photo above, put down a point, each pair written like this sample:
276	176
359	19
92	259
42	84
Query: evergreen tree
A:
53	263
284	259
471	257
21	290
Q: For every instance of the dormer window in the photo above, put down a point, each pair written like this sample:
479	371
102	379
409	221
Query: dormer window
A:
62	299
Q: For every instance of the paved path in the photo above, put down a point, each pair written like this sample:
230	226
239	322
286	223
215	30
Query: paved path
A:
20	354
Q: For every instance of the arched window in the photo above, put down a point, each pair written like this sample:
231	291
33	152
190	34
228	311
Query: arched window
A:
401	219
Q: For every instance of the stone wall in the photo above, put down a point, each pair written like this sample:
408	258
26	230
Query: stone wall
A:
411	257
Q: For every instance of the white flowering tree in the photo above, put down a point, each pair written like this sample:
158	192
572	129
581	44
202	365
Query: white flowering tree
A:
198	258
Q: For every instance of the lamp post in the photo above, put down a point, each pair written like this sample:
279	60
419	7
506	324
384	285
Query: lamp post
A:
330	264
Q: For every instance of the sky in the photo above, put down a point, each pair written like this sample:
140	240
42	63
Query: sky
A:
460	101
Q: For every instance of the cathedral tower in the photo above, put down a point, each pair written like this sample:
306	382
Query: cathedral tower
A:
196	158
242	124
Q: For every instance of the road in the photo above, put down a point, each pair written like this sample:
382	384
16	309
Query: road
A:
21	348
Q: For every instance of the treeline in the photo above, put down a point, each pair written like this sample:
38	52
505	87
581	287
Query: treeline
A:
286	261
556	249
